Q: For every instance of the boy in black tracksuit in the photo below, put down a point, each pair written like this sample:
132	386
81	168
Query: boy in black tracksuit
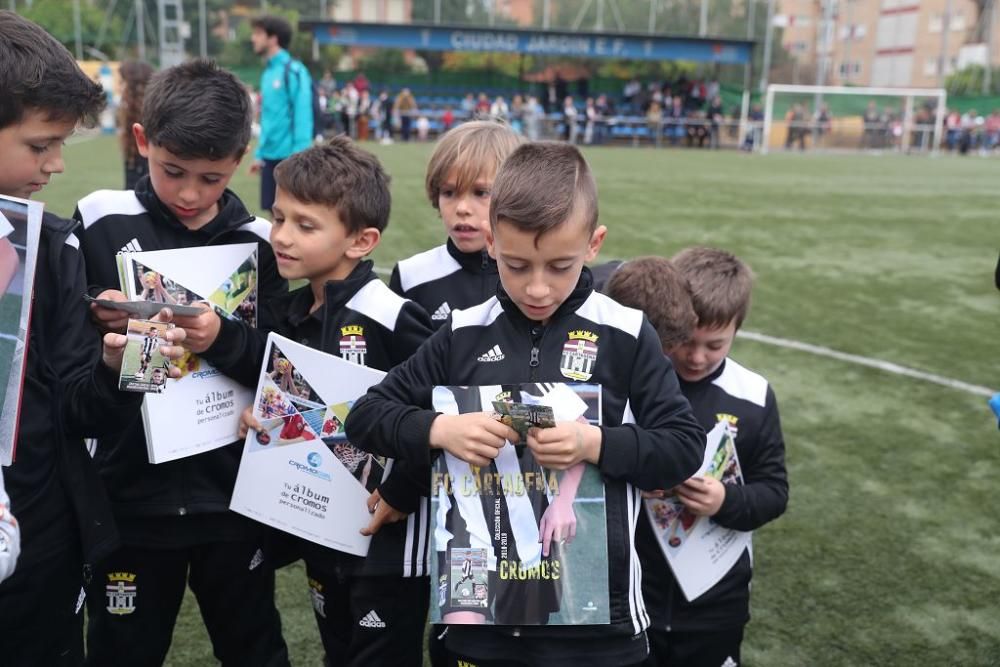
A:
331	206
174	517
70	388
460	273
708	630
543	219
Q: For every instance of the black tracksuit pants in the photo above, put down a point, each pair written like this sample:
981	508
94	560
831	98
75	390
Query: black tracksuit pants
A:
133	600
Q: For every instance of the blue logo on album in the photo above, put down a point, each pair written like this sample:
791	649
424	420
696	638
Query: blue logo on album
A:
314	459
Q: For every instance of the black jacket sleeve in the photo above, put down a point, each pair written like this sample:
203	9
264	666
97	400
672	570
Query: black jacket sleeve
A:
764	493
413	328
666	444
394	418
91	404
238	351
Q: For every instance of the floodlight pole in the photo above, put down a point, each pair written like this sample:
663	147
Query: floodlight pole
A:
545	14
77	29
943	58
990	27
437	11
652	16
703	19
140	29
768	37
203	29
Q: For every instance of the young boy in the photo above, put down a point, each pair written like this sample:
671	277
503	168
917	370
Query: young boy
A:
666	296
331	207
460	273
709	630
174	517
71	383
543	227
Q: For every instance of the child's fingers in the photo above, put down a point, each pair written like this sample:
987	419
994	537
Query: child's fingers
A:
499	430
114	341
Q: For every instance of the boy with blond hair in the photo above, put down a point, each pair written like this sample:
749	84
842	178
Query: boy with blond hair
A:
459	181
543	228
708	631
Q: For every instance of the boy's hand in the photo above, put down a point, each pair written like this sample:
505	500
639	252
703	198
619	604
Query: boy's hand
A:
475	437
109	320
202	329
558	524
382	514
702	495
565	444
114	345
248	423
256	166
656	494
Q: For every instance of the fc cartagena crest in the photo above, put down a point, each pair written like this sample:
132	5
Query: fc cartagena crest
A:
352	344
579	355
121	592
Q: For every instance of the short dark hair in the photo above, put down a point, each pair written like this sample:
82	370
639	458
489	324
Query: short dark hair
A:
37	73
654	286
342	176
720	285
274	26
197	110
540	185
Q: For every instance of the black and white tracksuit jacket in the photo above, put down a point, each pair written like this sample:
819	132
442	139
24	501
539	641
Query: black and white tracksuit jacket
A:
744	399
650	440
202	485
68	394
361	306
444	279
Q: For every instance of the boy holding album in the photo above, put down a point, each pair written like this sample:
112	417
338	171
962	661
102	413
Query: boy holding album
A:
543	228
331	207
174	517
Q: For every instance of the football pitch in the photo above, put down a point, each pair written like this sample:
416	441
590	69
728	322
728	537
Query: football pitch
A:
889	553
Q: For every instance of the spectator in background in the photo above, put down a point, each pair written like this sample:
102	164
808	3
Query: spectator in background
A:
569	120
349	110
447	120
532	116
871	124
286	108
715	116
423	127
385	111
361	84
654	120
327	84
967	128
590	118
952	125
676	117
604	111
795	121
482	105
993	130
468	106
499	108
517	114
364	112
406	108
821	123
135	75
755	128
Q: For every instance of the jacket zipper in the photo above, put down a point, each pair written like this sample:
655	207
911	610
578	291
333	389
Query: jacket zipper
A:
537	333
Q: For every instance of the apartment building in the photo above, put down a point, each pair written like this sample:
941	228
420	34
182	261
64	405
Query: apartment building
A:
884	42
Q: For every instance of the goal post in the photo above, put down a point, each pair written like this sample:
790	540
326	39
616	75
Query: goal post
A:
847	123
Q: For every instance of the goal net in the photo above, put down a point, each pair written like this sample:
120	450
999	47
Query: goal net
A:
834	118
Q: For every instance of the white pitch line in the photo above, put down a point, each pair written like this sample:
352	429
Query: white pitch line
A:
877	364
